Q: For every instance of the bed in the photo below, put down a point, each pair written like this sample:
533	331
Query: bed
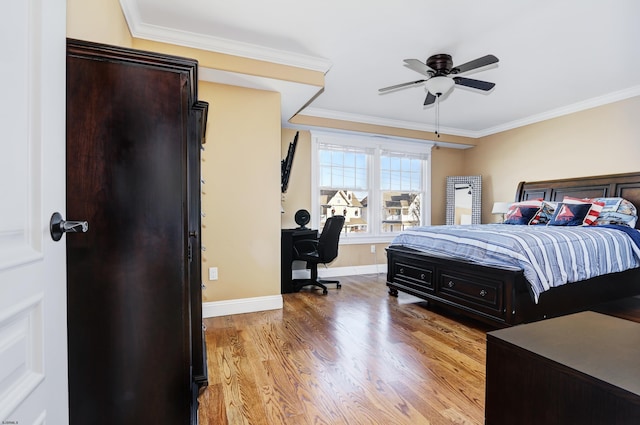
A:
503	296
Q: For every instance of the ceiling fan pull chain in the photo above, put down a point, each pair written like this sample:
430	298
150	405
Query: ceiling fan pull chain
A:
438	116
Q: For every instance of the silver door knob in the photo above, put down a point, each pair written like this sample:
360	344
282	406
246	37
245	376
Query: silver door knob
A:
58	226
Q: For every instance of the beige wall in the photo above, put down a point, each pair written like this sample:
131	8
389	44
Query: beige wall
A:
100	21
602	140
241	194
444	162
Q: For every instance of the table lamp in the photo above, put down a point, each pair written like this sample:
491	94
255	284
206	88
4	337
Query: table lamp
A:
500	208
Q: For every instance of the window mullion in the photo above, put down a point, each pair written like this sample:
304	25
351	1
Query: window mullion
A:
375	201
426	190
315	183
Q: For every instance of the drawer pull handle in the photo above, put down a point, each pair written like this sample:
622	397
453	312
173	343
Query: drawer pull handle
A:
483	293
401	270
422	276
451	284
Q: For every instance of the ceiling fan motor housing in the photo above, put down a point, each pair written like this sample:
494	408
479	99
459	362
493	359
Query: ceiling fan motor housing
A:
441	63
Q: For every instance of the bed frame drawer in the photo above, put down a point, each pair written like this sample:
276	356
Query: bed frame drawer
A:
483	292
419	278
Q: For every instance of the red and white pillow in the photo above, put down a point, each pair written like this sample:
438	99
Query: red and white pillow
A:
594	211
514	215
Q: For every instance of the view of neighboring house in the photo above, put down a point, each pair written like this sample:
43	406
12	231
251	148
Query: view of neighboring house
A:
401	210
346	203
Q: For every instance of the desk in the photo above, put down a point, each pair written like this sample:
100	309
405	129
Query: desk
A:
287	239
578	369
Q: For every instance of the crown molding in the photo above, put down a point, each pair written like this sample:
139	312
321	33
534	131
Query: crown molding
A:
410	125
566	110
367	135
385	122
161	34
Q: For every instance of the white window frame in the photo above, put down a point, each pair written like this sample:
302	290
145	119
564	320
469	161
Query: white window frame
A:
377	144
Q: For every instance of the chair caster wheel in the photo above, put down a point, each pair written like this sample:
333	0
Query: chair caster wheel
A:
325	292
338	286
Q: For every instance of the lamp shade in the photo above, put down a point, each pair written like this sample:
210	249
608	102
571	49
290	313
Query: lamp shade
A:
439	85
500	207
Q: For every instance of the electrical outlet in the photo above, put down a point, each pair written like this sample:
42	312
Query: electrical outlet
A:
213	273
373	249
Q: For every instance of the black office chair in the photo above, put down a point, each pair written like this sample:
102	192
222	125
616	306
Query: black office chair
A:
322	250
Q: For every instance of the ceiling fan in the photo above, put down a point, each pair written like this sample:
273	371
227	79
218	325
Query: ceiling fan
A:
442	75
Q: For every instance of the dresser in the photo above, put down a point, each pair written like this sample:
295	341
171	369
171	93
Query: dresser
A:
135	129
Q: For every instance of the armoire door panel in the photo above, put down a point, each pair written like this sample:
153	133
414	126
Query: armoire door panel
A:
129	300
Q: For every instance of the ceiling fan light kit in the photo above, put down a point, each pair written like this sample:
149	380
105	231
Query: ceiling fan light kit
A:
439	85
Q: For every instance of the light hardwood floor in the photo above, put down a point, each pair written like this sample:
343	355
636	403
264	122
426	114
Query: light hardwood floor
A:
354	356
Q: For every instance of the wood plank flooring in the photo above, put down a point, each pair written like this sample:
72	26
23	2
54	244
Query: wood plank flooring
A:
354	356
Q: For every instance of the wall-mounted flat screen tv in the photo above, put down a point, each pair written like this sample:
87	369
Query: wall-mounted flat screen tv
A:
287	162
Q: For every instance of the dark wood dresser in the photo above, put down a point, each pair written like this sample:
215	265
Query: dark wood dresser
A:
582	369
135	129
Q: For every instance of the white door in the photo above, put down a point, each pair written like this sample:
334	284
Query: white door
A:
33	328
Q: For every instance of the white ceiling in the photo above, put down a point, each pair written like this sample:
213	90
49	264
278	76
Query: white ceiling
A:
556	56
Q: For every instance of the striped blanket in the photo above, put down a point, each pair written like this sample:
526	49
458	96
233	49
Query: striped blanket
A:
549	255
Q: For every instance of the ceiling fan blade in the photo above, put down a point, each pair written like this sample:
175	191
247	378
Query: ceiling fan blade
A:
476	84
429	99
419	67
477	63
397	86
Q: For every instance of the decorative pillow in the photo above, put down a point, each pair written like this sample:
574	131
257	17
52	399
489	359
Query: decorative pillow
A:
617	211
611	204
545	213
570	214
521	215
594	210
514	210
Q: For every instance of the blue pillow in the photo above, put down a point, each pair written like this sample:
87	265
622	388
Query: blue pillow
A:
569	214
521	215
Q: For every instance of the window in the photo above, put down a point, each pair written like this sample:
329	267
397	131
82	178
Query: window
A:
344	184
401	187
380	185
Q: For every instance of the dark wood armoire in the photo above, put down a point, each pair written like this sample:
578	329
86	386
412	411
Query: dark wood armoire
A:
135	129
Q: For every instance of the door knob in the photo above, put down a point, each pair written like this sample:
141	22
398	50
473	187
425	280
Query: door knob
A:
58	226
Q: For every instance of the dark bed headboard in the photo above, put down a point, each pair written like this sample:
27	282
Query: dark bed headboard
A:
613	185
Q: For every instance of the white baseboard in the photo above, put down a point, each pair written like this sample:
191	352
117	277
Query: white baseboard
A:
274	302
242	305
